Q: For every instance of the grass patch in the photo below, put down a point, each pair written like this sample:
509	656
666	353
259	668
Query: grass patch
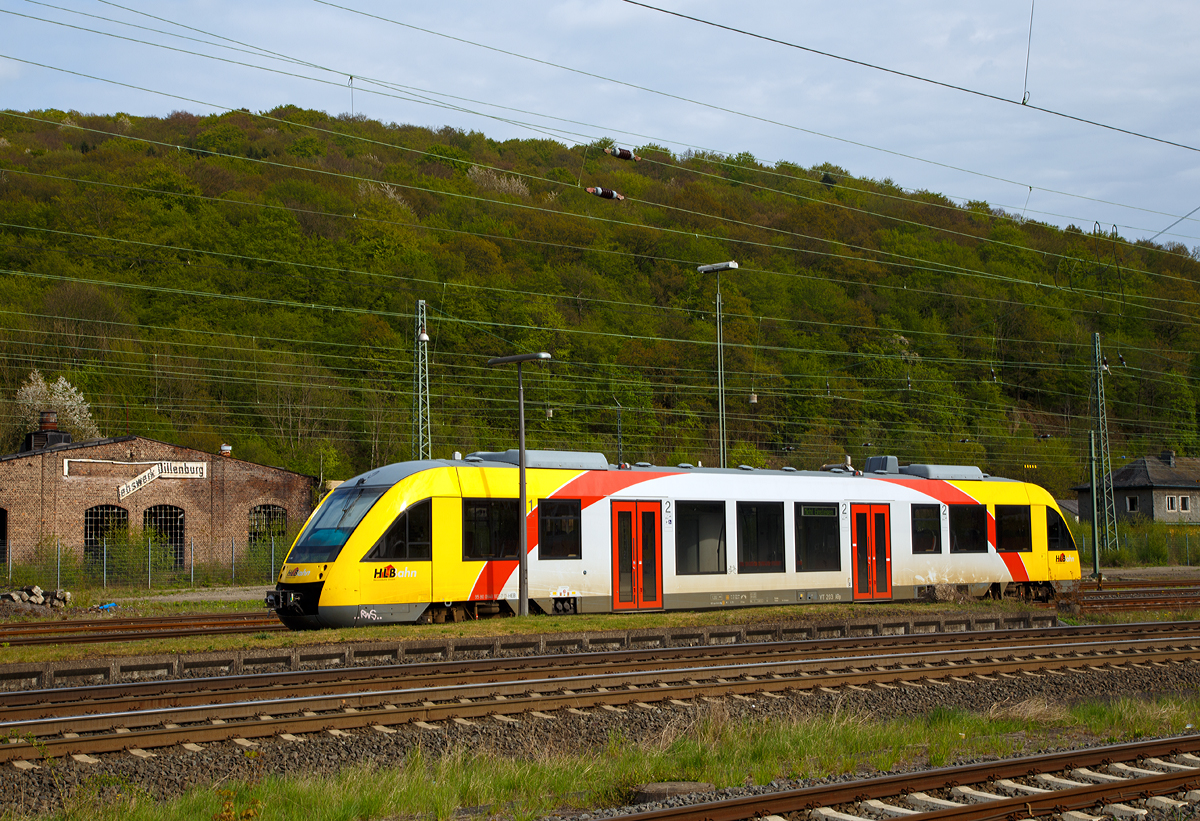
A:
1127	719
706	744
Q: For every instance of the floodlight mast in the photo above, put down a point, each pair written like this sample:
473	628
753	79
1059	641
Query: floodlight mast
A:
717	268
522	535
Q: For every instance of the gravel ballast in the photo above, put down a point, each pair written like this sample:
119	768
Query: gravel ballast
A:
173	770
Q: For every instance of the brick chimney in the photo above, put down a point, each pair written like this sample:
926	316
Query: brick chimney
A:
1168	458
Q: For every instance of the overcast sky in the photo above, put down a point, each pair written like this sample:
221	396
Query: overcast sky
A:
612	68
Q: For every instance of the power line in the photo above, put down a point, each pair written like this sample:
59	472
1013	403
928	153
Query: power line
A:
903	260
709	105
909	76
276	55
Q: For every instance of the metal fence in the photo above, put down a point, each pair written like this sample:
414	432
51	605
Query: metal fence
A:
1148	544
148	564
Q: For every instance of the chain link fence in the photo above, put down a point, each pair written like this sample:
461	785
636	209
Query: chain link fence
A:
144	563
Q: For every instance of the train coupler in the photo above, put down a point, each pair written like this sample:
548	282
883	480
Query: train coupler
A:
283	600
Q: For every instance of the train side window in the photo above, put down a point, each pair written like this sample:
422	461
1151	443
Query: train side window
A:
1058	535
818	538
559	529
1013	531
926	529
968	529
409	537
699	538
490	529
760	537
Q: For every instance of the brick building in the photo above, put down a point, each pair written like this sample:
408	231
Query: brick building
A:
78	493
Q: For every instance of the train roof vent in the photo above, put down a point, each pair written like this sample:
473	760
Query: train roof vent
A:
547	459
745	467
788	469
644	464
882	464
685	465
962	473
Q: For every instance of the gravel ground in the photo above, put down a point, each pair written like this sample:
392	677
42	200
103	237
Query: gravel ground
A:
173	770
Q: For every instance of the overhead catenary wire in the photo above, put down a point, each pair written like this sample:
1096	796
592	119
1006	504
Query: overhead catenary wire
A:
917	77
325	172
342	72
213	105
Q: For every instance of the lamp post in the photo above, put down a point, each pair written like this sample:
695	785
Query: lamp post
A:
620	416
717	268
522	527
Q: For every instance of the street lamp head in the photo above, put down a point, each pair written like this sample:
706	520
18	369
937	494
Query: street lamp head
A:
521	357
717	267
422	336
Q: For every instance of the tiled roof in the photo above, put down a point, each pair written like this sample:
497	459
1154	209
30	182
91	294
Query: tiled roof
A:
1070	506
1156	472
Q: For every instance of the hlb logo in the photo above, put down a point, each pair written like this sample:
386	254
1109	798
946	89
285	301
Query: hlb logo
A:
390	572
1061	557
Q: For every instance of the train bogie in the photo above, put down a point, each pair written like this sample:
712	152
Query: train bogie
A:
438	540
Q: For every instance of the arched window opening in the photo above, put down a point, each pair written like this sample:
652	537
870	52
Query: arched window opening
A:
101	524
164	525
266	521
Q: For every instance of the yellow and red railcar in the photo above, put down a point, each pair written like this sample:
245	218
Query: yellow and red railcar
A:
437	539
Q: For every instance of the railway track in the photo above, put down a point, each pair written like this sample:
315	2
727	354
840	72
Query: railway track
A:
85	721
1125	780
86	631
1113	599
1134	584
30	704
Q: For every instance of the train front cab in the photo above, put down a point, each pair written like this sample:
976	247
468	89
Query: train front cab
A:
394	568
1030	535
365	554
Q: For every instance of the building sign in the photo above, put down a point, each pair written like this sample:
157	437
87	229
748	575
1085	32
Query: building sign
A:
163	470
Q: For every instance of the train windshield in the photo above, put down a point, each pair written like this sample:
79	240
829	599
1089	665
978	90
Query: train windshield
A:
322	540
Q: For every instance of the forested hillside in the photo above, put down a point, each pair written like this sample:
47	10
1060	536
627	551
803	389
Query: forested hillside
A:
252	279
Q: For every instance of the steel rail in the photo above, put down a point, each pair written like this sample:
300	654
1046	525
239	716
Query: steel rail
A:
1111	601
105	630
399	677
127	623
890	786
22	705
421	703
1173	605
1132	584
1141	593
